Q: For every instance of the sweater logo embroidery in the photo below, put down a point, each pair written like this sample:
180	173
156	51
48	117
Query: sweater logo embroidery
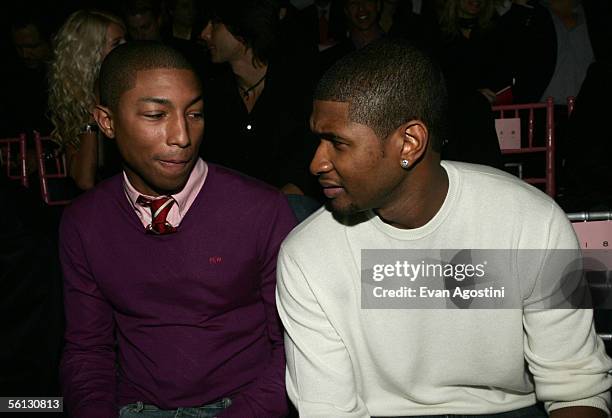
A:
216	259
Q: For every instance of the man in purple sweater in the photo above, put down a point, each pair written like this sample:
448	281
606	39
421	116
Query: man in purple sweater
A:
169	267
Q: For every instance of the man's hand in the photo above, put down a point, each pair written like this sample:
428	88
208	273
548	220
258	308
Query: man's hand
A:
291	188
578	412
489	94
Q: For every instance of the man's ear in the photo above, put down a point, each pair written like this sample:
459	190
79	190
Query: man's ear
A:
242	42
415	140
104	118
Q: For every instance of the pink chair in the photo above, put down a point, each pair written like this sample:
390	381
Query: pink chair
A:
13	158
51	165
532	145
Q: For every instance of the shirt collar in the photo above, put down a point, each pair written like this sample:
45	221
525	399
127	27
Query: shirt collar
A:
183	199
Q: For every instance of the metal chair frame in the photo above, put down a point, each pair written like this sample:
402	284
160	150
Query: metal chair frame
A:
60	169
7	157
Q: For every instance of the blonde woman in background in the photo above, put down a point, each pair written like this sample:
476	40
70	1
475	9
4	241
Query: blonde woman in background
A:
471	58
80	46
470	53
461	17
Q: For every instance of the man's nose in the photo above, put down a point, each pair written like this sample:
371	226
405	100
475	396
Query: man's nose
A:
206	32
179	132
320	162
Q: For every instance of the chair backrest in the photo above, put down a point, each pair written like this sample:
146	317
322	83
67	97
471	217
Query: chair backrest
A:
13	158
594	232
530	141
51	165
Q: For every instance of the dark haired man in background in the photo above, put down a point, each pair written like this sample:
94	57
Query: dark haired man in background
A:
258	104
168	276
380	115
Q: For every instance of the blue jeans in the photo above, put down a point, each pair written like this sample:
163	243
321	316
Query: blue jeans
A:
529	412
141	410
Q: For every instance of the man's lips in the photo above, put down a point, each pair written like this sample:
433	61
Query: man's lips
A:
174	160
331	190
173	163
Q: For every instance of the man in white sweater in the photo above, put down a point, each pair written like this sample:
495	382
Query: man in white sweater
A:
380	115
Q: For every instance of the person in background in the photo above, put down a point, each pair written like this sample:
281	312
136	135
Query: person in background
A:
257	104
183	16
148	20
469	61
549	47
414	20
80	46
362	20
324	22
468	44
23	81
144	19
551	44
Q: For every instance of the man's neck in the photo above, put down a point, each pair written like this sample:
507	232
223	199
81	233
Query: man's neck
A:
247	73
563	5
565	10
361	38
419	200
181	31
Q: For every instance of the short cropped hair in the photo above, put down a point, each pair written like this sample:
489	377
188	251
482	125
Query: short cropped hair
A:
387	83
255	22
118	72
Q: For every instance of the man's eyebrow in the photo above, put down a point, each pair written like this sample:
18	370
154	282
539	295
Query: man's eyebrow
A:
164	101
158	100
196	99
325	134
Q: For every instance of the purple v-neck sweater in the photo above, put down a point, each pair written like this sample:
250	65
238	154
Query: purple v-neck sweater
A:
191	315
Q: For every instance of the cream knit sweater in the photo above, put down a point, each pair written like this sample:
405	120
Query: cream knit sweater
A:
345	361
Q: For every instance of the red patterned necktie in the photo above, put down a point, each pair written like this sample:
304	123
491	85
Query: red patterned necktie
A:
159	212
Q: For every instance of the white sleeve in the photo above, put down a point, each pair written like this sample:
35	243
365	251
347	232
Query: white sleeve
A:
566	357
320	379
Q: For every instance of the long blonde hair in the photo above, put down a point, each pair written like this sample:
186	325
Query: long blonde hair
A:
449	12
78	48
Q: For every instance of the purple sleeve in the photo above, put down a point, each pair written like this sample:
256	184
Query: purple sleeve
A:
87	369
266	396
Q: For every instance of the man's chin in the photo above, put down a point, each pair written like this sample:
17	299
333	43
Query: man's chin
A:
177	187
340	210
169	187
349	215
174	182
